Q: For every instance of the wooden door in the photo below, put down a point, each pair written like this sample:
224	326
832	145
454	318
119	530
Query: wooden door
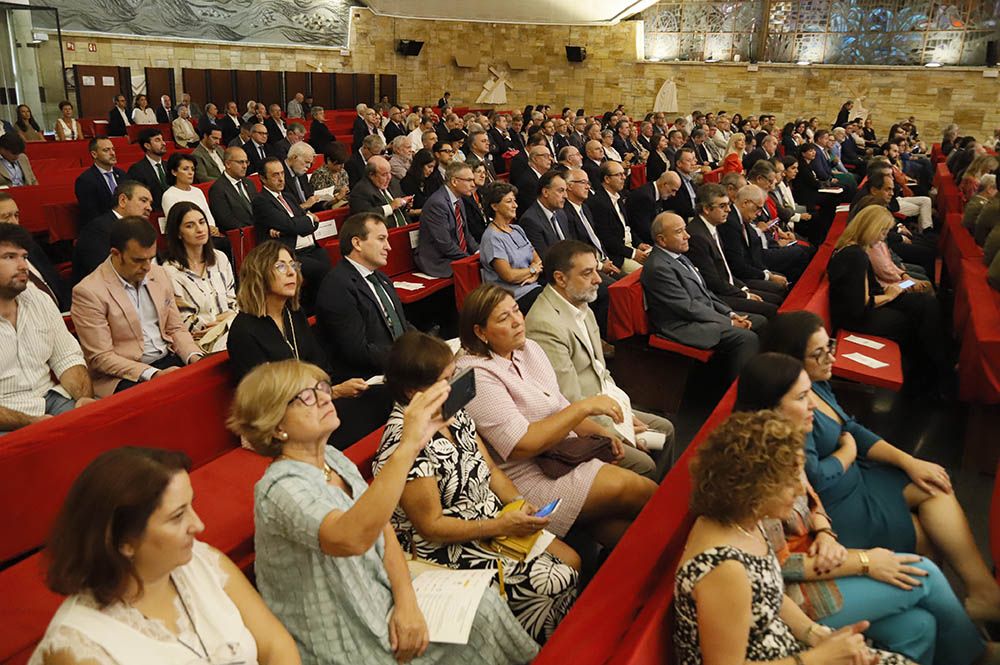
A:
195	83
96	88
270	89
159	82
364	89
322	90
343	92
221	89
387	86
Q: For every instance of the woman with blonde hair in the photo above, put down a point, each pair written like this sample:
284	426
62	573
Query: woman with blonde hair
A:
859	303
732	162
328	562
980	166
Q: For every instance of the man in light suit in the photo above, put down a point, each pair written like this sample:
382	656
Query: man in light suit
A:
96	186
118	120
378	192
230	196
126	315
544	222
294	107
566	329
209	157
359	316
15	169
151	170
682	309
444	234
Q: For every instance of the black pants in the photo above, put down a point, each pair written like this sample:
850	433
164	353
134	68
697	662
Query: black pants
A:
167	361
790	261
740	304
528	299
768	290
360	416
736	347
315	264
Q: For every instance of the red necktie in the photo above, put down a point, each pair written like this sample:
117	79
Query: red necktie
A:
462	245
284	204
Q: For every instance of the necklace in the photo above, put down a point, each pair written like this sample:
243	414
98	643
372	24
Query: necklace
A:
747	533
190	619
293	345
327	469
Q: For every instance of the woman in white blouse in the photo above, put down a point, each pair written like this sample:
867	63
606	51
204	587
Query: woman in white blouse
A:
202	276
608	139
180	175
184	134
786	176
142	114
141	588
67	128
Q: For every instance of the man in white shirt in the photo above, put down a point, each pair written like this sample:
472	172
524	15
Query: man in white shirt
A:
295	106
34	344
416	136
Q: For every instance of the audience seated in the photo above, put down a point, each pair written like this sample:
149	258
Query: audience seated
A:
193	107
185	135
277	216
132	199
126	295
444	233
294	108
380	193
742	245
450	509
527	181
478	219
41	272
909	205
611	221
646	202
180	176
917	249
545	222
790	213
730	602
581	220
417	181
27	126
394	125
780	249
401	158
564	325
732	161
333	174
766	151
204	287
371	125
684	200
150	170
15	169
95	187
594	153
258	149
324	539
165	113
142	113
507	255
297	161
988	219
875	494
971	180
231	194
527	423
209	156
45	374
276	129
986	190
859	303
118	120
355	166
67	127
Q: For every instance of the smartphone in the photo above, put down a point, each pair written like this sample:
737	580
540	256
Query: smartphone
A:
906	283
772	223
463	389
548	508
792	242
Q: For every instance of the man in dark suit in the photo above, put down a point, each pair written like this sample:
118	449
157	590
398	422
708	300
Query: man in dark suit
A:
646	202
444	233
577	138
298	189
479	148
528	180
165	113
359	316
705	252
280	219
41	272
355	166
151	170
697	144
682	309
378	192
372	126
592	161
675	141
257	149
96	186
209	120
395	126
781	252
611	220
230	124
230	196
560	139
544	221
132	199
764	151
276	129
580	220
520	162
742	246
684	200
118	120
499	142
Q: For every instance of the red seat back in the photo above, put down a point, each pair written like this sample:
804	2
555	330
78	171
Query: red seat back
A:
468	275
243	240
819	302
626	308
401	250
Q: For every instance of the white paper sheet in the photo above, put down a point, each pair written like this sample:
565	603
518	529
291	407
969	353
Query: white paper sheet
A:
846	207
414	238
327	193
408	286
652	440
326	229
449	600
865	360
831	190
543	541
423	275
455	344
870	343
376	380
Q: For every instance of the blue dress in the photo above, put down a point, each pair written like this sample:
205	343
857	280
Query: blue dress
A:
865	502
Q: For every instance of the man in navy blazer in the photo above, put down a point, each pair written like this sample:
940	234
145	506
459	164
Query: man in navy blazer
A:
682	309
684	200
118	120
742	246
545	222
96	186
445	236
151	170
646	202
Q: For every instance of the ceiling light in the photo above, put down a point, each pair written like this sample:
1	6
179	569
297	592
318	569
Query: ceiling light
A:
803	63
933	64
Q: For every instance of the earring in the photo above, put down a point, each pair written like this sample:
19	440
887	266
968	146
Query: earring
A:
283	436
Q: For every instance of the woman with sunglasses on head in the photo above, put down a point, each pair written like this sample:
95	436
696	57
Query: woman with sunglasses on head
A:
875	494
912	608
328	562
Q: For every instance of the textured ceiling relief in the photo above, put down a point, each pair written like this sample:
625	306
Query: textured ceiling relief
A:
305	22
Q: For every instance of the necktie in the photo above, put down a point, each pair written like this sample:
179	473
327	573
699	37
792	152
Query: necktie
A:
42	286
462	244
160	174
284	204
555	227
242	189
686	262
298	188
388	309
260	150
396	214
110	177
590	232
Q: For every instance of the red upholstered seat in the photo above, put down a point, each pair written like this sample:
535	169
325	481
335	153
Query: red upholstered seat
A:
401	267
468	275
242	240
714	176
890	377
701	355
626	308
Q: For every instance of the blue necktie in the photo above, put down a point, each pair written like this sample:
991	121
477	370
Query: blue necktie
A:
110	177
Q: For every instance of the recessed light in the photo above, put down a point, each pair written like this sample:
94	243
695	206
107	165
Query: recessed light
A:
803	63
933	64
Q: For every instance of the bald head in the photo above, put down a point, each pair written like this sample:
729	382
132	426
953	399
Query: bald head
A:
595	150
668	184
749	201
379	172
669	232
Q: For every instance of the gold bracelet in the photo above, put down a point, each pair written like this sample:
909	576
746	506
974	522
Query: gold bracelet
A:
863	558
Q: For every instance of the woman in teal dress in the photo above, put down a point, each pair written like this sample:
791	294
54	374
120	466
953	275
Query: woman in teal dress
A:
875	494
328	562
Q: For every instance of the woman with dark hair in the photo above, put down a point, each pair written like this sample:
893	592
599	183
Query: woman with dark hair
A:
142	589
26	125
507	256
67	128
415	182
875	494
204	287
836	586
657	162
450	509
142	114
180	177
332	173
730	601
320	136
788	144
844	115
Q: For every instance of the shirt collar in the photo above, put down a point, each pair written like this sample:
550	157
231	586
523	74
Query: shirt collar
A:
360	268
614	196
451	196
578	312
152	162
231	179
711	227
128	285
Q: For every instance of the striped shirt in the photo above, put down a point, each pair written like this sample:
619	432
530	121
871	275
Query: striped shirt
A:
39	347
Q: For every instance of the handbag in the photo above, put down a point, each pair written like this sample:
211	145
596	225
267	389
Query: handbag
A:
572	451
514	547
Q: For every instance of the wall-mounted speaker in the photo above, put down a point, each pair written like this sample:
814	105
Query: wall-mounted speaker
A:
576	53
991	53
409	47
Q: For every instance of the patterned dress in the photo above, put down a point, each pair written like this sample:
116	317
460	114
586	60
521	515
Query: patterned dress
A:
540	591
770	638
336	608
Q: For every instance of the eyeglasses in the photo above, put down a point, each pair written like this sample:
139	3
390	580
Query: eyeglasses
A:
820	354
579	182
309	396
723	206
285	267
449	150
463	179
617	175
239	161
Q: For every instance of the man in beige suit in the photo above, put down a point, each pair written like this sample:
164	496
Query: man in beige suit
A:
15	169
208	157
562	323
126	316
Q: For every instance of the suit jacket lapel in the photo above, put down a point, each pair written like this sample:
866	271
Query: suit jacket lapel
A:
118	294
362	285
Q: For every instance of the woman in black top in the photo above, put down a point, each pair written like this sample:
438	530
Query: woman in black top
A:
788	143
868	133
320	135
859	303
657	162
414	183
271	326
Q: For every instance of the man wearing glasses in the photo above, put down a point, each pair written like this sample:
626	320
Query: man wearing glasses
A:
230	196
539	161
257	148
742	246
444	232
611	221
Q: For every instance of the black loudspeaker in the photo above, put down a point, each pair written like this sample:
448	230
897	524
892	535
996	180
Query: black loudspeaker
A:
409	47
991	53
576	53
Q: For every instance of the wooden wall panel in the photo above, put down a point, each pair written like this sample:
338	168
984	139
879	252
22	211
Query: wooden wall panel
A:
387	86
270	89
195	83
343	93
322	90
364	89
159	81
295	82
247	88
221	87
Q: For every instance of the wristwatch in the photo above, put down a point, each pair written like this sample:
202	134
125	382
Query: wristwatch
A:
533	270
